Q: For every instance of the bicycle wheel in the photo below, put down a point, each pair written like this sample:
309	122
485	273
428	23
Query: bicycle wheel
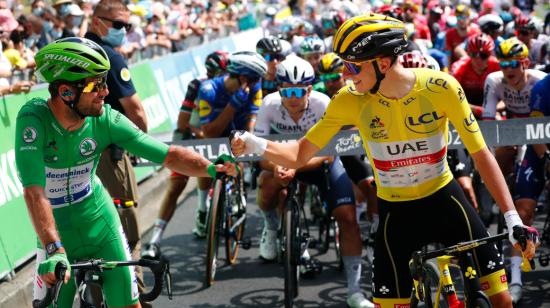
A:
235	210
336	232
482	301
213	230
431	284
290	257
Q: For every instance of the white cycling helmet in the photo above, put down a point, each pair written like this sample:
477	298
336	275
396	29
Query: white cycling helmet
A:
490	22
247	63
296	71
286	47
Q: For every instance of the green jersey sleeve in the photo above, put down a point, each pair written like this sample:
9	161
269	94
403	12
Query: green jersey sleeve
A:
29	145
126	134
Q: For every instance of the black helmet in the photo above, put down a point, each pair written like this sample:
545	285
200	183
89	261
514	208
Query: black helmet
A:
269	44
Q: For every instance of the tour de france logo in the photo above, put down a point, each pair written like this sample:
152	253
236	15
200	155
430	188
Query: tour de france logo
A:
29	134
87	147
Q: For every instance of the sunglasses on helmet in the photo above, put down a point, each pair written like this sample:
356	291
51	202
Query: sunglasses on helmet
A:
482	55
330	77
273	56
117	24
298	92
509	64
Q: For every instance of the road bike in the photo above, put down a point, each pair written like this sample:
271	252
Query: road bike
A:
86	274
434	285
226	218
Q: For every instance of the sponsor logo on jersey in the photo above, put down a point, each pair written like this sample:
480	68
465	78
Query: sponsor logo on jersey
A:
503	278
378	129
204	108
29	134
125	74
422	124
384	102
432	159
470	123
87	146
485	286
409	100
376	123
435	84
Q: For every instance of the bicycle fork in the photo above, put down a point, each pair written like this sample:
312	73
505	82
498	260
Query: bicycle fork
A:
446	285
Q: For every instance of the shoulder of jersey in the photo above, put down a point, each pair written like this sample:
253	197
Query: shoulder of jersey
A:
36	104
319	96
272	99
536	74
495	76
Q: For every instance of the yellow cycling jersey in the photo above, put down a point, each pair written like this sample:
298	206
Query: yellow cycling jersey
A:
405	139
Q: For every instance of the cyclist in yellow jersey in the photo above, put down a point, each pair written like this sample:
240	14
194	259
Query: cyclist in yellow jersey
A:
402	115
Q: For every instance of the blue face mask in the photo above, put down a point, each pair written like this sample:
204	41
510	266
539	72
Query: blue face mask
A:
55	34
77	20
31	40
64	10
114	37
38	11
47	25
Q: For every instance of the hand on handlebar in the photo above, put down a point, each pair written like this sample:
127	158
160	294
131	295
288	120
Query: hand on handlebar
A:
46	269
223	164
527	240
283	175
243	143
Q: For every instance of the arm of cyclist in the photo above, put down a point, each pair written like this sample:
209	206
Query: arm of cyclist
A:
43	221
466	125
490	97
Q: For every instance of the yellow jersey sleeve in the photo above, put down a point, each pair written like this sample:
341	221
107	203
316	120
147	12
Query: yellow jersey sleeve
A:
338	114
461	116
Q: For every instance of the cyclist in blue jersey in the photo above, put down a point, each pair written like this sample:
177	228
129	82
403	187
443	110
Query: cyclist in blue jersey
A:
230	102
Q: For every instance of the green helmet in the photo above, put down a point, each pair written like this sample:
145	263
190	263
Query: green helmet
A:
71	59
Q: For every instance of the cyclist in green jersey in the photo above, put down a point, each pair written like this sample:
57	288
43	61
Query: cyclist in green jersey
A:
58	144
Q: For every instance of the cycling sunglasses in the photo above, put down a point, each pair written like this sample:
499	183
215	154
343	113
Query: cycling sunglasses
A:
297	91
95	86
273	56
330	77
509	64
482	55
355	69
117	24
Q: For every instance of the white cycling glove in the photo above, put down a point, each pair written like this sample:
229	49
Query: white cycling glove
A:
253	144
512	219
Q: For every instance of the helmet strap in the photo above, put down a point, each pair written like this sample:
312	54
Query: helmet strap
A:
379	78
72	104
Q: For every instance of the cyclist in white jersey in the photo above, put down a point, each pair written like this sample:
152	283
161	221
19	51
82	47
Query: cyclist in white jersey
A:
295	108
513	85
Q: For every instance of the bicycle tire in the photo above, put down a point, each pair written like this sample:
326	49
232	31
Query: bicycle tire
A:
232	241
290	259
213	230
482	301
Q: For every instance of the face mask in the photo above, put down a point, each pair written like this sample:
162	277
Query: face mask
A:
47	25
114	37
77	20
64	10
38	11
55	34
31	40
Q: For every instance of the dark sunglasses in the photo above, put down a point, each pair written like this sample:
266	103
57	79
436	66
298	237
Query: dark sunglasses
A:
352	68
296	91
524	32
273	56
94	86
482	55
117	24
330	77
509	64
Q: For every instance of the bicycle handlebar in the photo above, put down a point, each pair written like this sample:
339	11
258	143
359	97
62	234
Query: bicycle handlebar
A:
159	268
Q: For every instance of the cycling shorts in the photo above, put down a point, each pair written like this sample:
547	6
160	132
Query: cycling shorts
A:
529	181
340	191
444	217
357	169
100	238
460	163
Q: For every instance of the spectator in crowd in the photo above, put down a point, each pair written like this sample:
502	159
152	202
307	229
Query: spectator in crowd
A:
460	33
19	56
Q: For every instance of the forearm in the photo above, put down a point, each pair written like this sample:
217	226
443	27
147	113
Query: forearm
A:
42	218
315	163
290	155
494	180
134	111
186	161
215	128
540	149
183	121
251	123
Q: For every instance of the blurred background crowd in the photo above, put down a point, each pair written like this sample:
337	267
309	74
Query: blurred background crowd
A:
156	28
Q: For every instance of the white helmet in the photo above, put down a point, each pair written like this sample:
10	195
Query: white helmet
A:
490	22
286	47
296	71
247	63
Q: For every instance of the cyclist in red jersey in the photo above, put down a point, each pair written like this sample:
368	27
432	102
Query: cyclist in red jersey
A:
473	70
456	36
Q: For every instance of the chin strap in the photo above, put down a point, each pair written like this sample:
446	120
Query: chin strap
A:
379	78
72	104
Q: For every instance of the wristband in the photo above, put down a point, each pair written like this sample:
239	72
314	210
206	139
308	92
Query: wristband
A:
211	169
254	144
512	219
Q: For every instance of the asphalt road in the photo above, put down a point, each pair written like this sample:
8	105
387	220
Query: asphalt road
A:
253	283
